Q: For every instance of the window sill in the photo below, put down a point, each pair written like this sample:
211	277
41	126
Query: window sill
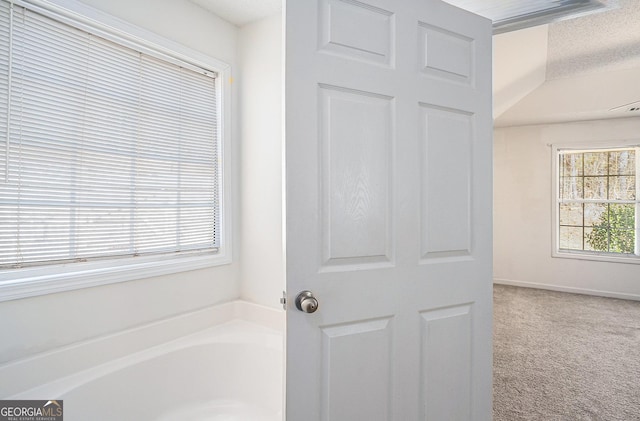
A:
598	257
30	282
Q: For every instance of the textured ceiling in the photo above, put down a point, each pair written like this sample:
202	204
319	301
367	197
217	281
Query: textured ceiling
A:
241	12
601	42
591	72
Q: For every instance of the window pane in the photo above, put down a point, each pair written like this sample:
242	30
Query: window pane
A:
571	214
615	234
595	163
102	232
622	216
595	188
571	238
595	213
597	238
590	245
622	241
571	164
622	162
41	229
622	187
571	188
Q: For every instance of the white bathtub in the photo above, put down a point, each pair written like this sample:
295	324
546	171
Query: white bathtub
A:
232	371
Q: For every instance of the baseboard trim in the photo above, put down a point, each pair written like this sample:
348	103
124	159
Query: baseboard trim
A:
551	287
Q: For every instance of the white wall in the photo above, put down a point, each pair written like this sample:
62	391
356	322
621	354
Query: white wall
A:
260	84
178	20
523	206
33	325
519	65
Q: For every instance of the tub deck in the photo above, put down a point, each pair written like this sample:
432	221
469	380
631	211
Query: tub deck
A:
227	372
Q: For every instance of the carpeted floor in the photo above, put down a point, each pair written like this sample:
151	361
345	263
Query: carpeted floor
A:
560	356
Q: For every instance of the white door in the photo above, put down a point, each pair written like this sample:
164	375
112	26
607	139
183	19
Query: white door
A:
388	211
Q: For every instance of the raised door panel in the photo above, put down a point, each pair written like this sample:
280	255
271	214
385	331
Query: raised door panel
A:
356	149
356	360
446	364
357	30
446	55
447	136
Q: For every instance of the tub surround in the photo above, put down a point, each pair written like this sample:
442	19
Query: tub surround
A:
230	371
42	369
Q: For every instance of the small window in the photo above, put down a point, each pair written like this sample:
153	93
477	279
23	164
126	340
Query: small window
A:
597	202
106	151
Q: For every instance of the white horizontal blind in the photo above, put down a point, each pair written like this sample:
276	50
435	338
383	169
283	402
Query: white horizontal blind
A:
111	152
5	42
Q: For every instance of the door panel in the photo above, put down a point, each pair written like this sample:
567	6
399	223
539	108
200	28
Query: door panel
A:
446	55
446	363
344	396
356	140
446	182
373	39
388	214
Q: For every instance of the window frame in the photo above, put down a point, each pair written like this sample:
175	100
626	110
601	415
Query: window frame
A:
40	280
556	252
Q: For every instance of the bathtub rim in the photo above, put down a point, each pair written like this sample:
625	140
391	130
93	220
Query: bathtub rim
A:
233	332
34	371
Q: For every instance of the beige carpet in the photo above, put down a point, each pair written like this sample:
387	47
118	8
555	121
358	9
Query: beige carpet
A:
560	356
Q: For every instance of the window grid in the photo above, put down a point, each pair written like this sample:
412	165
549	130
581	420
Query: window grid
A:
608	202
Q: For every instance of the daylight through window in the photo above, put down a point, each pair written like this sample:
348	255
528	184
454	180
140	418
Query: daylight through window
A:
105	151
598	201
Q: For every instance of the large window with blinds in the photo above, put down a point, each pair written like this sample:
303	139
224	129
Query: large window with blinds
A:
107	151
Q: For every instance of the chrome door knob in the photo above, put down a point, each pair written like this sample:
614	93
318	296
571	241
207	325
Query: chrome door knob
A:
306	302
